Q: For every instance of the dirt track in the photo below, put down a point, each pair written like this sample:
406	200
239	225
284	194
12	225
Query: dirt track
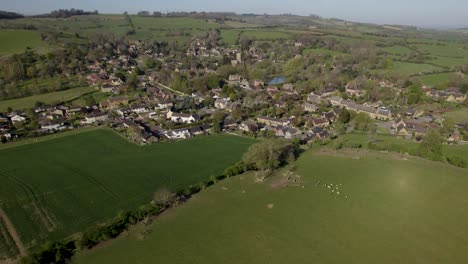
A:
14	235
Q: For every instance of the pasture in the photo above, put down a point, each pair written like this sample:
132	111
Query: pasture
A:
73	182
47	98
437	80
372	208
16	41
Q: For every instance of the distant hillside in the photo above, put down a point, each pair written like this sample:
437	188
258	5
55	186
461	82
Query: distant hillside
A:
9	15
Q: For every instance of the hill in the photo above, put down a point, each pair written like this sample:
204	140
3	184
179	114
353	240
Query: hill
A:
372	208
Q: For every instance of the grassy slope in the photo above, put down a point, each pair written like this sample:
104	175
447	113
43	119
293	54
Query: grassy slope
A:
15	41
48	98
72	182
397	211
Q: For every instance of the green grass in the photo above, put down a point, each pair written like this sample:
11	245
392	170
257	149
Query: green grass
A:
459	115
230	36
398	50
446	50
16	41
267	34
396	211
407	68
436	80
48	98
71	183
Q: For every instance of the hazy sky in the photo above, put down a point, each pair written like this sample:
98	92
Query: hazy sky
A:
413	12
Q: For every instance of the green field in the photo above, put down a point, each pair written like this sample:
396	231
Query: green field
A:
398	50
48	98
16	41
459	116
407	68
267	34
71	183
436	80
230	36
390	209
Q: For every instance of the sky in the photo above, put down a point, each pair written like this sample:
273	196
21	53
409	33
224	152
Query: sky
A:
429	13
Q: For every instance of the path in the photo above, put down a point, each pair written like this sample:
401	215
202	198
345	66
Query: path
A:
170	89
14	235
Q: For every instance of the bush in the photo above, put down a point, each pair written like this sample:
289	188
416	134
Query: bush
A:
456	161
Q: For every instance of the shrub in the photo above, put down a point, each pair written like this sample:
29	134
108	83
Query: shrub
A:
456	161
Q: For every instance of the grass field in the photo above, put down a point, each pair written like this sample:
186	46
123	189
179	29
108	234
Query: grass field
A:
398	50
437	80
459	116
71	183
407	68
267	34
48	98
230	36
16	41
390	209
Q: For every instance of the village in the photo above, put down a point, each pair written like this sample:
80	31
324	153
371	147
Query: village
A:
142	108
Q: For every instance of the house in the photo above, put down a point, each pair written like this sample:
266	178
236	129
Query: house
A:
127	123
331	115
313	98
309	107
454	137
107	88
274	122
323	135
327	92
410	112
114	102
320	122
182	118
18	119
222	103
164	105
401	130
182	133
96	118
49	126
353	89
248	126
235	79
398	122
335	100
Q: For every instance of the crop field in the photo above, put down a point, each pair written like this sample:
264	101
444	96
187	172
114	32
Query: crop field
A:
18	40
372	208
71	183
48	98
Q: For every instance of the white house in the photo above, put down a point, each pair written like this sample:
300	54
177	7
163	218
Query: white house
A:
182	118
17	119
94	118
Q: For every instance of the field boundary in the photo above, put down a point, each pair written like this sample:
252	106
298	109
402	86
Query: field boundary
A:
12	231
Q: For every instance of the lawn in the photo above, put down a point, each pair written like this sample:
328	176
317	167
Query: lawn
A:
48	98
71	183
16	41
390	209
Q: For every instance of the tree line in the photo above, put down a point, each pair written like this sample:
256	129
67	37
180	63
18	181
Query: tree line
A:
9	15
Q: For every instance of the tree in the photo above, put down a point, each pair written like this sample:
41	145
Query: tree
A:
269	154
344	116
431	145
218	118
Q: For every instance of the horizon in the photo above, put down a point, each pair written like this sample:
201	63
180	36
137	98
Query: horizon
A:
447	15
